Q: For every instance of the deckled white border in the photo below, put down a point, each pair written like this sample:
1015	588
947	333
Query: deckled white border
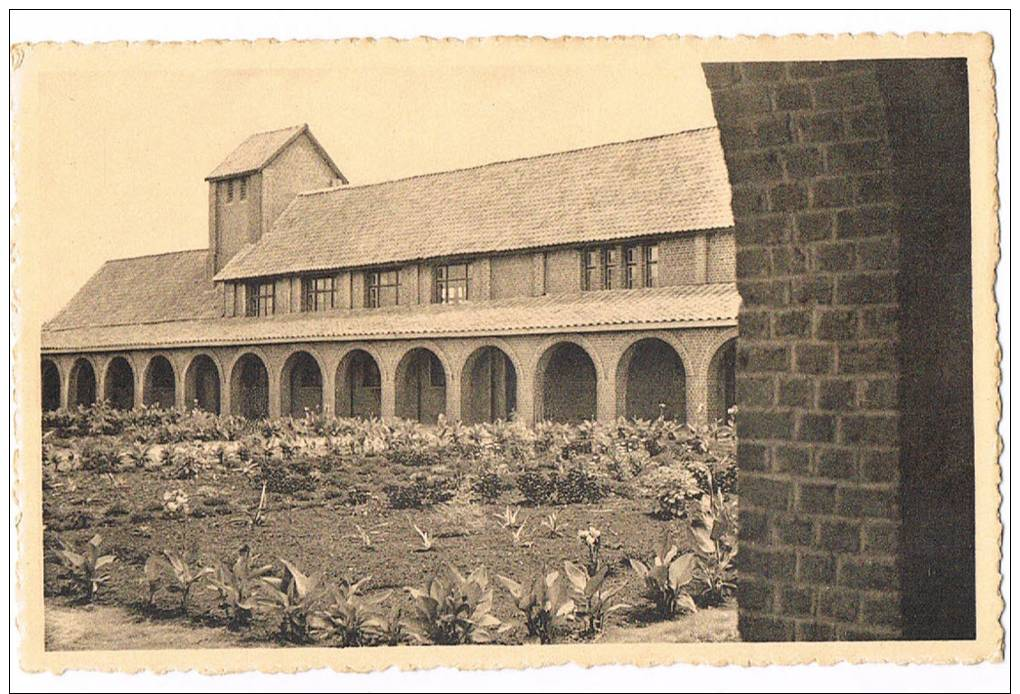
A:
660	27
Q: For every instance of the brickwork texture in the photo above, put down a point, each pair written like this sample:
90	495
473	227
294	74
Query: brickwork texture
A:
818	232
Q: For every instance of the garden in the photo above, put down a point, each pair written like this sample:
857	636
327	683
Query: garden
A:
350	532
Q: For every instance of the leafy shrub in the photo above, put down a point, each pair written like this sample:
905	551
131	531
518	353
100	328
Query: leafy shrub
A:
538	488
488	486
239	585
668	579
184	576
88	568
421	492
593	598
181	463
413	455
281	477
350	619
712	530
452	610
99	455
295	597
543	601
579	485
672	486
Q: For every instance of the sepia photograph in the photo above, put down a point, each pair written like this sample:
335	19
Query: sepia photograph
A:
581	351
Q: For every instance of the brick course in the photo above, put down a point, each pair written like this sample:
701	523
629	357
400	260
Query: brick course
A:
809	160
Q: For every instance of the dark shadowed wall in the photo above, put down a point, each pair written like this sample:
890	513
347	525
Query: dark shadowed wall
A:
851	198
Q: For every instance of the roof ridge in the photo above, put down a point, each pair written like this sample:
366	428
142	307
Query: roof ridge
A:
277	130
154	255
532	157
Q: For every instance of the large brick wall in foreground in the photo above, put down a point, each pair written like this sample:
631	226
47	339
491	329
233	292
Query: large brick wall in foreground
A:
819	227
806	149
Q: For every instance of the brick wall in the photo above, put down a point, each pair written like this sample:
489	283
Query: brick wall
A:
806	149
818	200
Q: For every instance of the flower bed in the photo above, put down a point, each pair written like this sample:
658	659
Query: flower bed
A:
353	523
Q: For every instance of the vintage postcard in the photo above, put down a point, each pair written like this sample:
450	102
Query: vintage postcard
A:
546	351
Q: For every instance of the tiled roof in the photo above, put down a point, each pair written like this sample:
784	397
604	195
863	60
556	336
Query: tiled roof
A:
149	289
683	306
261	148
656	185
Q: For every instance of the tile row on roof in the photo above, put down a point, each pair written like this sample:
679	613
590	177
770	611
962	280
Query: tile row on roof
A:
149	289
664	307
670	183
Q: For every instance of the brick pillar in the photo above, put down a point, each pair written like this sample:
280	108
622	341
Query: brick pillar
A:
605	399
697	393
388	392
275	389
66	366
329	390
809	162
826	162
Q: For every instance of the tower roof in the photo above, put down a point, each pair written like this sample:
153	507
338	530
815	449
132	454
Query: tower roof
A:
255	153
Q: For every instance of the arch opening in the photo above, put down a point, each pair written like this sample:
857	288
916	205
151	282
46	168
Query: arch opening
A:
81	389
119	389
359	386
202	384
300	385
722	381
249	388
652	382
160	387
568	384
488	386
50	386
421	386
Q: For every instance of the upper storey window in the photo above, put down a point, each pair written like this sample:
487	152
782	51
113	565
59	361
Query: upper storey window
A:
610	263
601	267
589	269
651	262
318	293
230	190
450	283
261	299
242	188
382	288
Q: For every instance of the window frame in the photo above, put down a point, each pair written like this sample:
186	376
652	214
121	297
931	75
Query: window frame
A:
442	282
257	300
311	293
650	265
632	274
242	189
589	268
373	292
230	190
610	263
